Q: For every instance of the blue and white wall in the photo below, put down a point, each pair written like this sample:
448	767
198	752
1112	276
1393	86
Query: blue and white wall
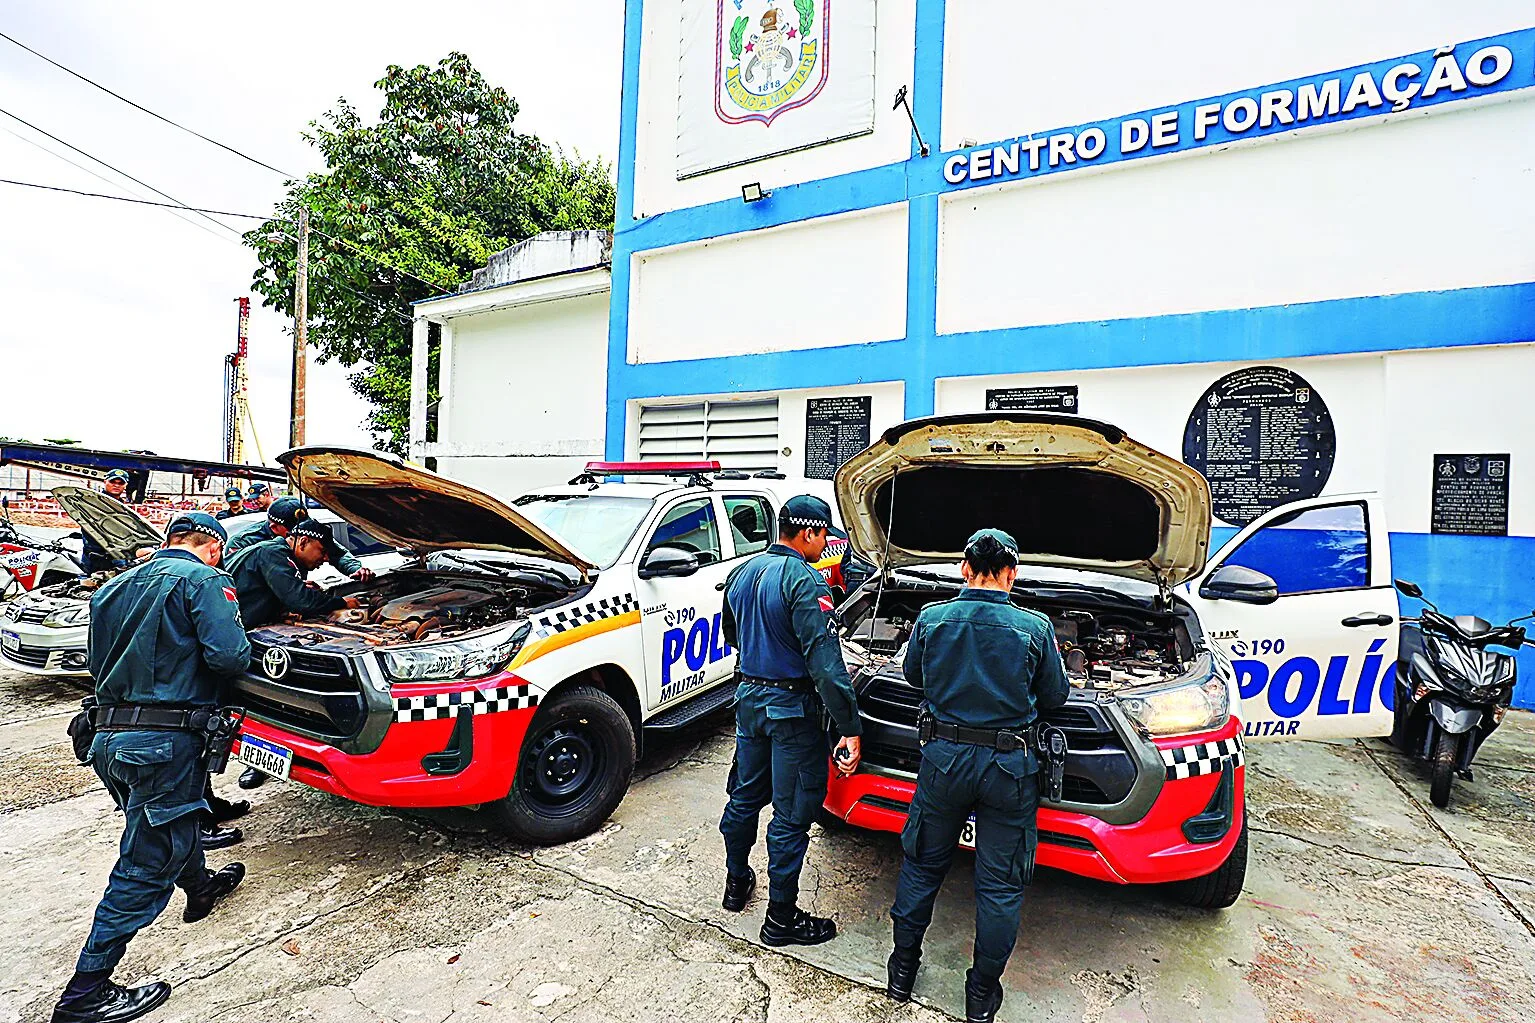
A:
1385	255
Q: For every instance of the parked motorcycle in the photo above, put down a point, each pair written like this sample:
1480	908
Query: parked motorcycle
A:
1452	688
27	563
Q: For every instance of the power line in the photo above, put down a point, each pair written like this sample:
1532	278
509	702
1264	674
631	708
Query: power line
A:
137	202
144	109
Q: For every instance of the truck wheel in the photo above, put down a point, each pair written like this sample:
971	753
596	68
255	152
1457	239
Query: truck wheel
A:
573	770
1221	887
1446	753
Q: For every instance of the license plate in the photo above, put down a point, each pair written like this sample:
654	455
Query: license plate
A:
967	834
10	640
266	757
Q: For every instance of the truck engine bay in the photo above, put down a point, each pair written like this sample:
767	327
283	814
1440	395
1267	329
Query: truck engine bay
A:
1103	648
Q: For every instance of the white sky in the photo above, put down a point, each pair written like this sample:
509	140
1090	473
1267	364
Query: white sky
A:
114	319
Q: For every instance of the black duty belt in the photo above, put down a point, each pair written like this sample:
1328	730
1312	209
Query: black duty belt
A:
793	685
1003	740
124	717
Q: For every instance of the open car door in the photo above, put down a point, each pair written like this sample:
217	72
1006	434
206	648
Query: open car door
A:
1315	660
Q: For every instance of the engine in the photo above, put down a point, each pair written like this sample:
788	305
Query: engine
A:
437	613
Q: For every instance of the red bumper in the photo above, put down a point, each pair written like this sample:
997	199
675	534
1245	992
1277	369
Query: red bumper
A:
393	775
1151	850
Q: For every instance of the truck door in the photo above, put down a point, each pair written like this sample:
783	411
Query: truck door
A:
1316	662
684	648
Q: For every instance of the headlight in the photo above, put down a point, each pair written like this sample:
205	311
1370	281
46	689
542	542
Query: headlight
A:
64	617
473	657
1182	707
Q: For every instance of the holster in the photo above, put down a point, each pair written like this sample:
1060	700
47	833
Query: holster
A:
82	729
219	737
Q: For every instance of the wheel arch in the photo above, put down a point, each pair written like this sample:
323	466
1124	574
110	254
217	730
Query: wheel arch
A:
616	682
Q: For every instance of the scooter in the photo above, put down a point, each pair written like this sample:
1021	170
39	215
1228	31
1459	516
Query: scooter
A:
1452	689
27	564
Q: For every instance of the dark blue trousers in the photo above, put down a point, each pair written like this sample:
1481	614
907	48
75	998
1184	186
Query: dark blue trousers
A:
1001	789
156	779
781	758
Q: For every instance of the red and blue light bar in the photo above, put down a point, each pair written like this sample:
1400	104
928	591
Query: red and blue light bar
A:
650	468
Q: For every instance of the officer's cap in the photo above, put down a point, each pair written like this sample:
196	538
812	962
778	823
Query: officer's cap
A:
309	527
258	488
233	494
116	476
988	543
285	511
196	522
806	511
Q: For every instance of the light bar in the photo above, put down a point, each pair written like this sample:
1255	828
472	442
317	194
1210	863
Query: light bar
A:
650	468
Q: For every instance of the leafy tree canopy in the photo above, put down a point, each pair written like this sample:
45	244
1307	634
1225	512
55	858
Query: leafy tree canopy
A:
407	208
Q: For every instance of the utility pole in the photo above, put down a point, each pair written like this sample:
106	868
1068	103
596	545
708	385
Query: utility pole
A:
300	332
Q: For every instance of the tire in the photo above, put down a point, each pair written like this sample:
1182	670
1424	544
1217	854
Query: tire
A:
830	821
572	771
1221	887
1446	754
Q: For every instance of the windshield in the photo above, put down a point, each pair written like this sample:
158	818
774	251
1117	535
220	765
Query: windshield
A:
597	525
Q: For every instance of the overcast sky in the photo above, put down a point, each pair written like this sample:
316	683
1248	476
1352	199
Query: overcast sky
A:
114	319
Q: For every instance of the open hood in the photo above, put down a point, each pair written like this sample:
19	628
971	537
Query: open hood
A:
411	507
1074	493
114	525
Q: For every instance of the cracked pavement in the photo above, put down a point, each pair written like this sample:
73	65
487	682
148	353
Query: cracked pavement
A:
1362	903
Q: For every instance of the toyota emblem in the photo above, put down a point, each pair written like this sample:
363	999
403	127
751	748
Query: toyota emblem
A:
275	663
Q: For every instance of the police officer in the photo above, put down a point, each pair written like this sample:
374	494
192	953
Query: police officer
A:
234	504
93	555
283	514
777	612
163	637
985	668
261	496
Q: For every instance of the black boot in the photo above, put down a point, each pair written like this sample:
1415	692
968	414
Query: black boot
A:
983	997
738	890
901	969
225	811
251	778
787	924
112	1003
201	902
215	837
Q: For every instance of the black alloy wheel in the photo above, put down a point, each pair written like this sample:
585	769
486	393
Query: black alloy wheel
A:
573	770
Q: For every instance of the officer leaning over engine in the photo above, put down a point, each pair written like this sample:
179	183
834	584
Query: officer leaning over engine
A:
282	515
777	613
269	576
163	638
985	667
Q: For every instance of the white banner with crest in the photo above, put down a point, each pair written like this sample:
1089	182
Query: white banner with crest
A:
763	77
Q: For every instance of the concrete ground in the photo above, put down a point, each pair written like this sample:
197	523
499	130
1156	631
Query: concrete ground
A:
1362	903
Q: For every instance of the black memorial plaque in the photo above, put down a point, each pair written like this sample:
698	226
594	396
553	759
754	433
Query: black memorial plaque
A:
1032	399
1471	494
1263	437
836	429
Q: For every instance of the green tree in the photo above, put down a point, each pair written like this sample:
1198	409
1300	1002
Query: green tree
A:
407	208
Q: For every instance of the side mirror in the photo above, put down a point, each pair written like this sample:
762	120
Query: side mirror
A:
1411	589
76	535
1237	582
668	561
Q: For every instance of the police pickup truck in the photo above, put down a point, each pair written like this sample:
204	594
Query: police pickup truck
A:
519	657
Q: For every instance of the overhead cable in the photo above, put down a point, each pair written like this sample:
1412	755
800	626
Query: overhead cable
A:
124	198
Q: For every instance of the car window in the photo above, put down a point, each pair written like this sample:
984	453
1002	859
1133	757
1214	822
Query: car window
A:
1312	550
751	523
598	526
690	527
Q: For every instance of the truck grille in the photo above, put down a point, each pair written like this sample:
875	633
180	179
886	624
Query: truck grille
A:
319	694
1099	770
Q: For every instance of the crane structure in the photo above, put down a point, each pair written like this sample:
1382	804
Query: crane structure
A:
236	396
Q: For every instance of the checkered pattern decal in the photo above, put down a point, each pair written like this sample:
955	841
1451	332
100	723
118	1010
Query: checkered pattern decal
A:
575	615
1202	758
479	701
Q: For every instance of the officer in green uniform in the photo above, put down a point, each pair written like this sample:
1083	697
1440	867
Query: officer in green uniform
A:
269	576
163	638
282	515
985	667
777	612
93	556
260	495
234	504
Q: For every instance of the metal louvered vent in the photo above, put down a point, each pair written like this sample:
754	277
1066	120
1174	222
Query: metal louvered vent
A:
739	434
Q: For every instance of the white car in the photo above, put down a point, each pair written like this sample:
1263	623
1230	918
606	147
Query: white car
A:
44	632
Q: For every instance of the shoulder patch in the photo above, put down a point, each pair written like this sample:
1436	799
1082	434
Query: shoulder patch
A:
827	604
230	595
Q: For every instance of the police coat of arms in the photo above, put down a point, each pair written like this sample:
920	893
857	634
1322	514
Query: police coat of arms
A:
766	61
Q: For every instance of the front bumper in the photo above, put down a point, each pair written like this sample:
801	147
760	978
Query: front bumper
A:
42	650
1148	850
392	773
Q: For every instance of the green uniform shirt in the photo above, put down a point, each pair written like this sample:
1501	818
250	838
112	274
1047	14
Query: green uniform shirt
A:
346	563
983	662
271	584
166	632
